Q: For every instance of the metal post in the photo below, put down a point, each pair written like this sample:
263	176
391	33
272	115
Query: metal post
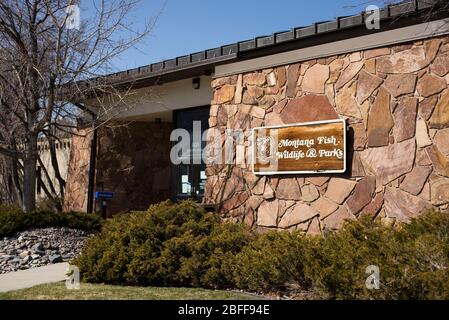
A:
104	213
93	159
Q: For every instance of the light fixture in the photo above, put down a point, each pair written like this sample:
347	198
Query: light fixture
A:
196	83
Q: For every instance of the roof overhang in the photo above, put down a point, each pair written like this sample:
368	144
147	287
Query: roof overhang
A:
393	17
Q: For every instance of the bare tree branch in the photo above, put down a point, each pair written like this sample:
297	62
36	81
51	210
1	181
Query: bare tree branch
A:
42	64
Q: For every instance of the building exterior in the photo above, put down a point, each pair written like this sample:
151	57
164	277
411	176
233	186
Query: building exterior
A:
391	86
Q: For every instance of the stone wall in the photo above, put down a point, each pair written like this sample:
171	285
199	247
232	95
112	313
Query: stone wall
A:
133	160
396	102
78	171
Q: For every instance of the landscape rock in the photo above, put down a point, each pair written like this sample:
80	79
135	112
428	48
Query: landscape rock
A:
223	81
222	116
224	94
440	65
297	214
366	84
439	190
38	245
440	161
391	162
308	108
415	180
440	116
281	72
288	189
402	205
268	192
280	106
427	106
362	195
349	73
375	205
24	254
430	85
324	206
258	112
357	169
309	193
284	205
55	258
267	213
292	78
422	158
346	102
380	120
441	140
314	227
255	201
374	53
318	180
432	46
273	119
235	201
260	186
239	90
405	119
335	69
257	79
315	78
400	84
422	134
271	79
370	66
339	189
336	220
407	61
359	136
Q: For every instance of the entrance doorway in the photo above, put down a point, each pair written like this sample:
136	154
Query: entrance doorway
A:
190	179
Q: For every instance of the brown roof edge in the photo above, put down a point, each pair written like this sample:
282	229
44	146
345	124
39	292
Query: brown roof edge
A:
200	63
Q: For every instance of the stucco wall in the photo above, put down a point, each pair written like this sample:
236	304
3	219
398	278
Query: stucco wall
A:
63	151
396	102
157	101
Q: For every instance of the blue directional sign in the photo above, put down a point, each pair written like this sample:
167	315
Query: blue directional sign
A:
104	195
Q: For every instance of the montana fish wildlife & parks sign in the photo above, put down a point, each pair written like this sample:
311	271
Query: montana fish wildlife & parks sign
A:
301	148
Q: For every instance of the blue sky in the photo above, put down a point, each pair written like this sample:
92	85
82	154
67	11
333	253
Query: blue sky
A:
187	26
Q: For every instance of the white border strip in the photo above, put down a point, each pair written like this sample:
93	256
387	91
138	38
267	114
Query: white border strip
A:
270	173
371	41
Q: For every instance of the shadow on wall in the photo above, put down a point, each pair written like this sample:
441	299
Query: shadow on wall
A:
133	161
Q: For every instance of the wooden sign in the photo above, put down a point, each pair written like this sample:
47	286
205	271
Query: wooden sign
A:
312	147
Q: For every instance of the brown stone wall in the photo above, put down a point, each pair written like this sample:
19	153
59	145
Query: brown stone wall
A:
396	102
133	161
78	172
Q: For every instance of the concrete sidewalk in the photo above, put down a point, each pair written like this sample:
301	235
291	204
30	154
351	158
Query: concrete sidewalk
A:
33	277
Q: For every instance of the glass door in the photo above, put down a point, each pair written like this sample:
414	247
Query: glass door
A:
190	179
